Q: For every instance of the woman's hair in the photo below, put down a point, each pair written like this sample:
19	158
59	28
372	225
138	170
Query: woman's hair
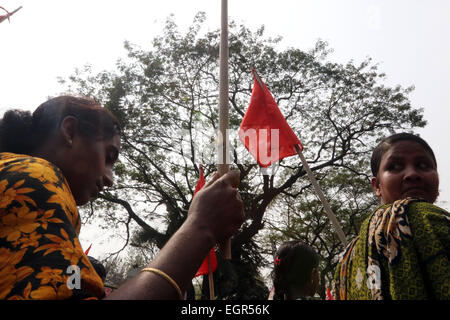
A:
293	264
21	131
386	144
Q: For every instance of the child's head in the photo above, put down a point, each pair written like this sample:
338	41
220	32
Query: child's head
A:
295	273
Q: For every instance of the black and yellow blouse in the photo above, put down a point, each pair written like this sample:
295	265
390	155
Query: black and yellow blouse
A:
40	254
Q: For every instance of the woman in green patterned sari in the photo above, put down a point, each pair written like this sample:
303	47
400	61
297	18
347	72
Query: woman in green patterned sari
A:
402	251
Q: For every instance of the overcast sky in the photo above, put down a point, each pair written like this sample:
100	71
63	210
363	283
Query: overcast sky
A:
408	38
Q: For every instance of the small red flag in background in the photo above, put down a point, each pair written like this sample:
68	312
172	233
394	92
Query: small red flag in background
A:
3	17
8	14
204	269
329	295
200	182
87	250
262	116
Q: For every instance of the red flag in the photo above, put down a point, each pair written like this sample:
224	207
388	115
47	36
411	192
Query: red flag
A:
329	295
87	250
204	269
200	182
8	14
5	16
258	128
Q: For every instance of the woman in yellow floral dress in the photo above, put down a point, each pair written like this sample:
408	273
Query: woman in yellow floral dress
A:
61	156
403	248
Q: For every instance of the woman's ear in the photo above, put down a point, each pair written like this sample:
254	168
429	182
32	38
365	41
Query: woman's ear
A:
68	128
376	186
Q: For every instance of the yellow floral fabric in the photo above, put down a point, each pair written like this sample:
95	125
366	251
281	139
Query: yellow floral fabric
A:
40	254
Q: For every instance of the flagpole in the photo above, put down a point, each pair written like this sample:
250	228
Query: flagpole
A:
330	214
223	163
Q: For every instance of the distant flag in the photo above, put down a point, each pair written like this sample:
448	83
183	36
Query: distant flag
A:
200	182
329	295
271	293
261	117
8	14
204	268
87	250
5	16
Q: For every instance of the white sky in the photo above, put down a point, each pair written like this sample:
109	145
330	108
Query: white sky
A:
408	38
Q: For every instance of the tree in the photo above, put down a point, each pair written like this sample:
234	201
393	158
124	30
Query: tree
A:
167	101
351	199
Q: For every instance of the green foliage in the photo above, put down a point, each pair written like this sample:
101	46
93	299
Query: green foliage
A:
167	101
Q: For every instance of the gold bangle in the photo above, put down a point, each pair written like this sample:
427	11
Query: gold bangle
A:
167	277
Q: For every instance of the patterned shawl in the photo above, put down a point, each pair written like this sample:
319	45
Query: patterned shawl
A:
402	252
